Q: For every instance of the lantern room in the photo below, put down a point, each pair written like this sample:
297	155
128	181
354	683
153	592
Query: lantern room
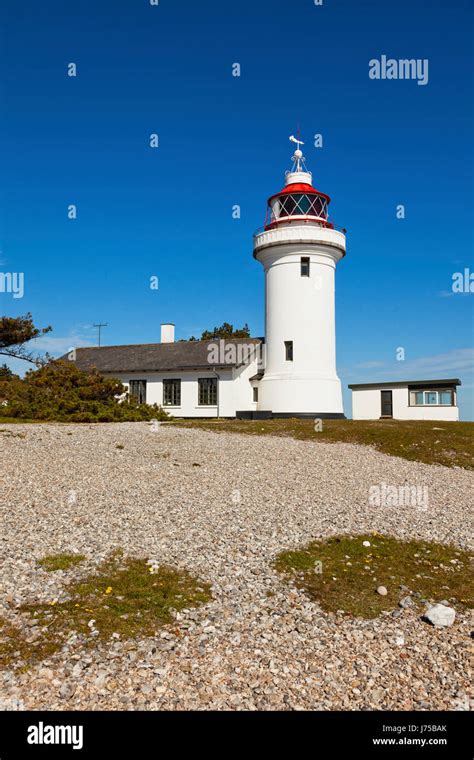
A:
299	202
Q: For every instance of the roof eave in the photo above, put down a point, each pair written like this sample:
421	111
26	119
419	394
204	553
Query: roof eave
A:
411	383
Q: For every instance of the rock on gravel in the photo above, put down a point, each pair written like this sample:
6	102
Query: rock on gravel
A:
67	690
440	615
260	644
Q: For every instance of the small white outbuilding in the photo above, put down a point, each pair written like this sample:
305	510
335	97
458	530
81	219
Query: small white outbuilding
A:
406	400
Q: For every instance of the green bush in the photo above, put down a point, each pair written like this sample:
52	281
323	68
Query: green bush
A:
61	392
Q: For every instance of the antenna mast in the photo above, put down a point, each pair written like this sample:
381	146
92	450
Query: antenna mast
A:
100	326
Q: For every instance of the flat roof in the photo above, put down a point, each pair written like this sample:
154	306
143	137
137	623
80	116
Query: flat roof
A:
412	383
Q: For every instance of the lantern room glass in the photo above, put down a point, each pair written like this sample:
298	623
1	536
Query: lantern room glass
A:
299	204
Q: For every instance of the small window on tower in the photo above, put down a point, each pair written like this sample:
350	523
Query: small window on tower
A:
255	394
289	350
305	266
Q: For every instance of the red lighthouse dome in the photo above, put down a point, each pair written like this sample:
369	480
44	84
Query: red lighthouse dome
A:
299	202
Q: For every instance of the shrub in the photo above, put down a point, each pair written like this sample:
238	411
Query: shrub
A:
61	392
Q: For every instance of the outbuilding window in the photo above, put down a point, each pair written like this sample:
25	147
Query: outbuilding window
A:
207	391
255	394
289	350
171	392
441	397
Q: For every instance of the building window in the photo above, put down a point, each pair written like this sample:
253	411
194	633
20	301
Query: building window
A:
305	266
171	392
289	350
137	391
444	397
255	394
207	391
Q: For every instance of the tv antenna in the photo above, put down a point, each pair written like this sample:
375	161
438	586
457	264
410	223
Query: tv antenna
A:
99	327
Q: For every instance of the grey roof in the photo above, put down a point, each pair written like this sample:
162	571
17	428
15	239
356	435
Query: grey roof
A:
412	383
151	357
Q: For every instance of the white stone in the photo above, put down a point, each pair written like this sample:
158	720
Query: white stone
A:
67	690
440	615
382	591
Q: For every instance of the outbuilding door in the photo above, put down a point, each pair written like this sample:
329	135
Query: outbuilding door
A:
386	402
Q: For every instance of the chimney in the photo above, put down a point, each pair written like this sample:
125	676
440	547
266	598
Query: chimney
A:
167	333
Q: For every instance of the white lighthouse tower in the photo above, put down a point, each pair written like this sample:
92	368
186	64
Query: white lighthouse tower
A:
299	249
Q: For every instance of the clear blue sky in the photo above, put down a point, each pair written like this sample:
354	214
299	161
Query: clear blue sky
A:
167	212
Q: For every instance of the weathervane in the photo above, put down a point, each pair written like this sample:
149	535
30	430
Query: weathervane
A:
297	156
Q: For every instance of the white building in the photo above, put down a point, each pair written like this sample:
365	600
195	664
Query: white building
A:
290	373
406	400
187	378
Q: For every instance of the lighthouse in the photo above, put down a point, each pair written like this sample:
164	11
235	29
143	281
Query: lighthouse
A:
299	248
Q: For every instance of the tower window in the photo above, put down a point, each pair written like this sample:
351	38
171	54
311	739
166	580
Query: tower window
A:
305	266
289	350
255	394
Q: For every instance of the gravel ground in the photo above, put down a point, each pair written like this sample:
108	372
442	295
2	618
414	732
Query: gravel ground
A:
260	644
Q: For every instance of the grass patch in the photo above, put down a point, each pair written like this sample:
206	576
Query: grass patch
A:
350	573
17	651
54	562
124	596
448	443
